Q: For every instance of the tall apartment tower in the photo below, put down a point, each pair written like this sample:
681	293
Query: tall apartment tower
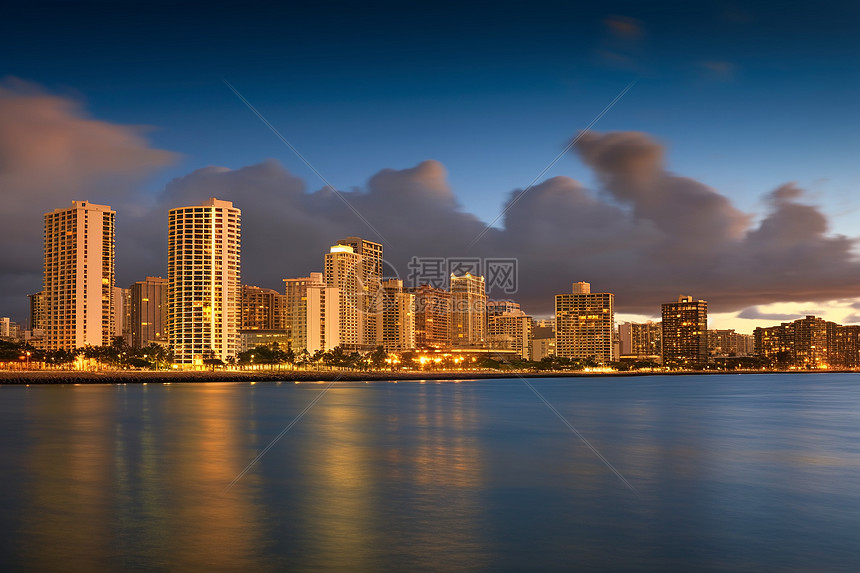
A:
585	324
342	271
398	317
79	276
468	310
432	316
204	291
685	333
370	297
148	314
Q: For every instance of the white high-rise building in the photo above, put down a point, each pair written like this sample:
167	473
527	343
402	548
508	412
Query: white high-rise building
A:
79	276
370	293
342	271
312	313
204	289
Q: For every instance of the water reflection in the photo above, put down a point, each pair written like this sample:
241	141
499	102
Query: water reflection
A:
735	473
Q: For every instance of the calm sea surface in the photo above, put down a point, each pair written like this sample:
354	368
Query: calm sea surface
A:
729	473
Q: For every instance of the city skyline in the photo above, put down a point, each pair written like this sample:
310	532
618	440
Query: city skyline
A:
726	170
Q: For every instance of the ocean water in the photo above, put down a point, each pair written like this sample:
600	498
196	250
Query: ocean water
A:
728	473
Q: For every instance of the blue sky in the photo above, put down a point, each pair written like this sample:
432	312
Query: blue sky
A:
744	96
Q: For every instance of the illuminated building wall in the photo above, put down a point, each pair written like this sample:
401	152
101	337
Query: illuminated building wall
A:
468	310
585	324
398	317
685	333
148	312
432	317
204	288
79	276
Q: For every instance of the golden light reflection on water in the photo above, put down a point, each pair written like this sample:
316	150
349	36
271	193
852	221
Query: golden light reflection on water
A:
102	482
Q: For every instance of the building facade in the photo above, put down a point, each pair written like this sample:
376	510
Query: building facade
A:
370	293
509	328
79	279
468	310
641	340
432	317
585	324
398	317
204	291
343	271
263	309
148	312
685	333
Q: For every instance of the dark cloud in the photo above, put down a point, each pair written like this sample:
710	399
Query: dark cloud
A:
52	152
754	313
645	234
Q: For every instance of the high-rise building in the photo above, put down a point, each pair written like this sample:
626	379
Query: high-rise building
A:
342	271
312	313
468	310
263	309
148	312
847	346
727	342
685	333
370	294
398	317
808	342
204	290
509	328
432	317
37	310
641	340
79	276
585	324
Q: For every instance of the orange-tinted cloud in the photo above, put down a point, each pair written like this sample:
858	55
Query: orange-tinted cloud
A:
52	152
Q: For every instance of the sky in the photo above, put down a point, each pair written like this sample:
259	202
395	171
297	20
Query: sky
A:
727	170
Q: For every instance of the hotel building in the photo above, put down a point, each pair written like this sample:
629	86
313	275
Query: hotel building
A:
79	276
312	313
398	317
263	309
342	271
509	328
432	317
148	312
685	333
203	273
585	324
370	294
468	310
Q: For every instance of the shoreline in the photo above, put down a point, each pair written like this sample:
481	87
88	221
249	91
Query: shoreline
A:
25	377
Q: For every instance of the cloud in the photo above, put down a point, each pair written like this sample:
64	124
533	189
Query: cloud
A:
52	152
622	43
644	233
718	70
754	313
623	27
